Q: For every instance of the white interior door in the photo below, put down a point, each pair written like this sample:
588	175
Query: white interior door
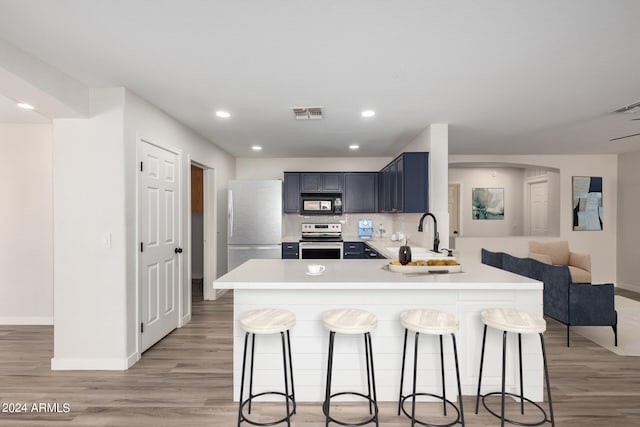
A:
160	256
539	208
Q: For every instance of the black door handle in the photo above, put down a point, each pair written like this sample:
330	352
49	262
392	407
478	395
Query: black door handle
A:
178	250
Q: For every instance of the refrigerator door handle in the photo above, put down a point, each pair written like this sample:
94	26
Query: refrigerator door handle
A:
230	212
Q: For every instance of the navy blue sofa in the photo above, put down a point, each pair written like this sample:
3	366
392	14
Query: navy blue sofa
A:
567	302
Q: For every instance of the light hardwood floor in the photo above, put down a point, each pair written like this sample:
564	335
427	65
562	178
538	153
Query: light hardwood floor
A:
185	380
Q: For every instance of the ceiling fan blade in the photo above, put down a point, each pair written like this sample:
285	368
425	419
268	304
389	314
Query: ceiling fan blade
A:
623	137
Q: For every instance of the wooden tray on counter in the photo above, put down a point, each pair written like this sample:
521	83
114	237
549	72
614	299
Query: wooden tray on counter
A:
424	269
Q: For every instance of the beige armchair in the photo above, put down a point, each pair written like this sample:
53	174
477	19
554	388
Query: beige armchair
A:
558	253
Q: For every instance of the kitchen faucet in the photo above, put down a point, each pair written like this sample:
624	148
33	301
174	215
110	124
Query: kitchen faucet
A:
436	236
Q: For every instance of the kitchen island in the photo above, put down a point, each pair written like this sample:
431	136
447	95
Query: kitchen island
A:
366	284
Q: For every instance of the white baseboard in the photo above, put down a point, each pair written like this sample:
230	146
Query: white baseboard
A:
629	287
133	359
186	319
92	364
26	320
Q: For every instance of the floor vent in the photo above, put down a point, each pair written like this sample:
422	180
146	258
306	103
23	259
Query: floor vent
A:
307	113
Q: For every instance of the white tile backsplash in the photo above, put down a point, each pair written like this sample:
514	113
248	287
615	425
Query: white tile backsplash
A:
391	223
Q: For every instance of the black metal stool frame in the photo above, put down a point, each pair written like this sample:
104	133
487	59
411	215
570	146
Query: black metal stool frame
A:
371	386
545	419
460	412
288	377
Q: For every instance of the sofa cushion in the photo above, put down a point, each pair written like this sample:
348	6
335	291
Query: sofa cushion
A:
541	257
558	251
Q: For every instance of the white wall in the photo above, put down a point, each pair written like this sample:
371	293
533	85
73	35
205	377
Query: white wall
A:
90	301
628	223
600	244
144	119
273	168
151	122
511	179
96	294
554	198
26	224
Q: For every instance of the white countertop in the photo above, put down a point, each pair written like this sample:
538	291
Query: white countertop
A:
364	274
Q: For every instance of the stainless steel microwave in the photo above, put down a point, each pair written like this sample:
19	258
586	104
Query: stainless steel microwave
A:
321	204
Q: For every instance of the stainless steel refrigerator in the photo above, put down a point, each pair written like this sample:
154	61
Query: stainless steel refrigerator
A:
254	228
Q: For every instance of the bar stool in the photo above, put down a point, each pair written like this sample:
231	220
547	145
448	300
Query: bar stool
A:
262	322
517	322
431	322
351	321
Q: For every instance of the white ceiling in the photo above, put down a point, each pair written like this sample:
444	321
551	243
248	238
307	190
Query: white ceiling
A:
510	77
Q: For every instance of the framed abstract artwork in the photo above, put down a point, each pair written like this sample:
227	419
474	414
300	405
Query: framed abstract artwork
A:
487	203
587	203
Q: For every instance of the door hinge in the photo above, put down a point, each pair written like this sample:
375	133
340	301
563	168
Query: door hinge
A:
141	246
141	327
141	166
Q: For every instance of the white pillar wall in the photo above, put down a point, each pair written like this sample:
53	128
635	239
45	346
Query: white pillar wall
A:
89	237
439	178
435	140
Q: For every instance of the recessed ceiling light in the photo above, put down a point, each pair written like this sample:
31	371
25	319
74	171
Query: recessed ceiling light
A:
256	148
25	106
354	147
368	113
223	114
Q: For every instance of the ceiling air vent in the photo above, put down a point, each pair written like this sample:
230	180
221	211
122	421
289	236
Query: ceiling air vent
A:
307	113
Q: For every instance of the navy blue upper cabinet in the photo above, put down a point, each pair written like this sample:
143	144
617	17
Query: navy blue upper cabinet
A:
321	182
309	182
360	192
291	199
401	186
333	182
405	184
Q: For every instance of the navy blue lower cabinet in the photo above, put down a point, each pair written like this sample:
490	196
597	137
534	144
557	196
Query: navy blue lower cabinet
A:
353	250
360	250
370	253
290	250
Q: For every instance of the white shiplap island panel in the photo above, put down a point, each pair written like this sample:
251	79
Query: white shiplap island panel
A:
364	284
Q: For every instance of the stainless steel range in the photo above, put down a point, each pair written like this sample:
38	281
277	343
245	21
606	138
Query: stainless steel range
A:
321	241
